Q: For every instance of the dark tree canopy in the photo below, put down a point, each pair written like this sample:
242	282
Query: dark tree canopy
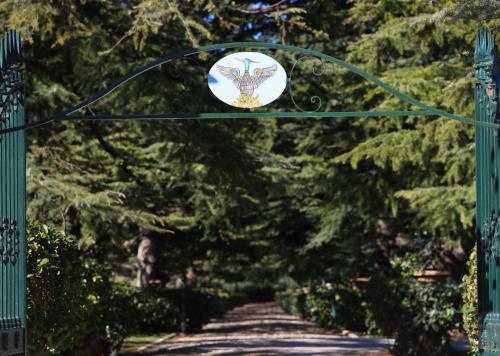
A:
270	201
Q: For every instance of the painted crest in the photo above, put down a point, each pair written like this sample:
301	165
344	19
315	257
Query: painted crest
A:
247	79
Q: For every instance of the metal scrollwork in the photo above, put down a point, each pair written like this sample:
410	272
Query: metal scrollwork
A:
486	74
10	91
490	236
489	99
10	78
317	70
9	242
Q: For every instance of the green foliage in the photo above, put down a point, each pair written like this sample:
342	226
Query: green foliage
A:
329	308
70	310
154	311
430	311
320	304
382	297
292	301
256	203
350	311
426	312
481	10
172	310
73	309
469	299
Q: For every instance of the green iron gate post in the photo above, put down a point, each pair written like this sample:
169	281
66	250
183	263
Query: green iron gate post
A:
488	193
12	201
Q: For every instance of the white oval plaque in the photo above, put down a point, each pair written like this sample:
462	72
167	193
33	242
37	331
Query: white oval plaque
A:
247	79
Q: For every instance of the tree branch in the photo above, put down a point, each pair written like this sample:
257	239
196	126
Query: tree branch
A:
259	11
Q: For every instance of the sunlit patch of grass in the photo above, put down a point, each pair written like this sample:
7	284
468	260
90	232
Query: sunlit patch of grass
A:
133	342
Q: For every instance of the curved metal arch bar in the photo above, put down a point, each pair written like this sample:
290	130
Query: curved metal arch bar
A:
427	110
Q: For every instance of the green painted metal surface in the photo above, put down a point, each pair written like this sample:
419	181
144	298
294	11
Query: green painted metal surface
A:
422	108
12	201
488	194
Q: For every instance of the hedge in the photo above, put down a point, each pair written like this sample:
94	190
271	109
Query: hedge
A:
418	315
74	309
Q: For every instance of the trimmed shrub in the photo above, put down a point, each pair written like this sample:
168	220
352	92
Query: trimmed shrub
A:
350	313
320	307
173	309
383	304
155	309
292	301
340	307
418	314
315	305
68	298
74	309
430	311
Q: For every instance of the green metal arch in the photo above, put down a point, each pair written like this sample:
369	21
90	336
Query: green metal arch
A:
425	110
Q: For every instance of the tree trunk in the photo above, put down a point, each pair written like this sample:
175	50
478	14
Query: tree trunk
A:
147	255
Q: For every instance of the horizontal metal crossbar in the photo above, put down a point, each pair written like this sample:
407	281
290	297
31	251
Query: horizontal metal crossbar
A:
277	114
249	115
425	110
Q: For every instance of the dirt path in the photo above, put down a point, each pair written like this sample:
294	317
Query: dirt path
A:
264	329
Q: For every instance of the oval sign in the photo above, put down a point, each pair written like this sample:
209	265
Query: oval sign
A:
247	79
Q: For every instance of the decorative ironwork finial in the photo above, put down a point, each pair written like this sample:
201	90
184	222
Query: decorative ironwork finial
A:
485	44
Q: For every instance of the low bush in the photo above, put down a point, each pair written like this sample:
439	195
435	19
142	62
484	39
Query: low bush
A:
68	298
292	301
320	307
419	315
430	311
74	309
340	307
382	302
350	313
156	309
315	305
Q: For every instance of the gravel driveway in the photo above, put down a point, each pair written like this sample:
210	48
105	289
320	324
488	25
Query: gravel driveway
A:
264	329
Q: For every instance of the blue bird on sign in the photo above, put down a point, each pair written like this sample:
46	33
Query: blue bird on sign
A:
247	83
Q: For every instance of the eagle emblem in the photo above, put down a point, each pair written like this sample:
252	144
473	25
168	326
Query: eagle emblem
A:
247	83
